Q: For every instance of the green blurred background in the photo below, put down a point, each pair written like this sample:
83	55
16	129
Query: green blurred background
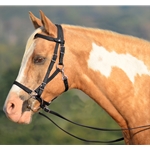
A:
15	28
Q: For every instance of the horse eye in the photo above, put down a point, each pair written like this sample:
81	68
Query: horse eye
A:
39	60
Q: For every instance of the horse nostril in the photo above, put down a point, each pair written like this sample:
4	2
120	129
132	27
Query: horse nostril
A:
12	106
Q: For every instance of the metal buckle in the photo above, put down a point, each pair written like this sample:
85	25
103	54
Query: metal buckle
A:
42	86
64	77
33	94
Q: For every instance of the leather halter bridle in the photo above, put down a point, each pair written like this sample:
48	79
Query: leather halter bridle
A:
36	94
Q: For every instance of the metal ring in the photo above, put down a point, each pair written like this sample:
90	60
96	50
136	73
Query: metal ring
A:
61	68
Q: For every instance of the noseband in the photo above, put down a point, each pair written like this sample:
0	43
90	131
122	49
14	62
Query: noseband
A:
36	94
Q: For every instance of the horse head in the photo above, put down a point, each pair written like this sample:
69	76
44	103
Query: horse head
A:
38	60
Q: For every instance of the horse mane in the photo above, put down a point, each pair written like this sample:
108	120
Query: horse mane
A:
91	32
112	40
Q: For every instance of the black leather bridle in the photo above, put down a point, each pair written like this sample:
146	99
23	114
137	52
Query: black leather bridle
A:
36	94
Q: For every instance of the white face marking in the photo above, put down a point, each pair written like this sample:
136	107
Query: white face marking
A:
102	60
28	52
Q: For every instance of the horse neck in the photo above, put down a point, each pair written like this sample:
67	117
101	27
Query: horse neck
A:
79	45
117	91
81	41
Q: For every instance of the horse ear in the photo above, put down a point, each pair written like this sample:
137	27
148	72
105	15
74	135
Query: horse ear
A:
36	21
49	27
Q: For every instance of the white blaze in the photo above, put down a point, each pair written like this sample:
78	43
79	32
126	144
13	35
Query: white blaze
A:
102	60
28	52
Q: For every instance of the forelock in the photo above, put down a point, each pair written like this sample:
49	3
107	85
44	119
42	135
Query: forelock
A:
31	38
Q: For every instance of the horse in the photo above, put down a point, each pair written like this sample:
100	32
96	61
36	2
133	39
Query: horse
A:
111	68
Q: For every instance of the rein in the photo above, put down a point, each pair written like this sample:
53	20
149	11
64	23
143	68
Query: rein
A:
81	125
36	94
47	110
